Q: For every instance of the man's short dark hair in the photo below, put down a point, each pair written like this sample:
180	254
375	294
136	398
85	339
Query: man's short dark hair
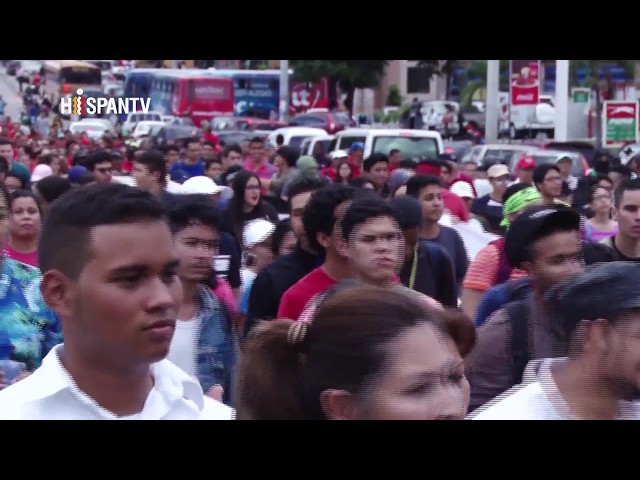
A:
304	184
393	151
259	140
67	231
319	213
94	158
52	187
290	154
364	209
5	141
417	182
234	147
184	210
626	185
408	164
191	140
171	147
155	162
623	170
541	171
374	158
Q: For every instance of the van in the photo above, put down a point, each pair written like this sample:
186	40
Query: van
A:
411	143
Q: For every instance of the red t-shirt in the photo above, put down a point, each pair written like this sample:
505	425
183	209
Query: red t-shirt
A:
30	258
298	295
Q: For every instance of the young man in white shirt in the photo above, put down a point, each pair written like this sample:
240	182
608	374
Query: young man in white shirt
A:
109	273
600	379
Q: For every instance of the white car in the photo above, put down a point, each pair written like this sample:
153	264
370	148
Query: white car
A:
411	143
145	128
135	117
94	129
294	136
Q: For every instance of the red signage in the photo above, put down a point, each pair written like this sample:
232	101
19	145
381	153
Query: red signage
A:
308	95
525	82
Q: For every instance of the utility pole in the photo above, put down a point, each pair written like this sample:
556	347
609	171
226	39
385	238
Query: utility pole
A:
562	101
284	91
493	88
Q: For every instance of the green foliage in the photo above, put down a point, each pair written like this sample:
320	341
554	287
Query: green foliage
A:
478	71
394	99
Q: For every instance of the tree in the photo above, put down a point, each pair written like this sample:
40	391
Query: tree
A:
349	74
394	99
439	68
476	79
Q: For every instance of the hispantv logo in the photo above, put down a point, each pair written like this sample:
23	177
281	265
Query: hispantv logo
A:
80	105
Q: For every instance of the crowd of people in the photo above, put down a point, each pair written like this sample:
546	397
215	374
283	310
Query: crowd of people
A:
205	281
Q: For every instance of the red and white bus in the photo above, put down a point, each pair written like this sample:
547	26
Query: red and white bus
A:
190	94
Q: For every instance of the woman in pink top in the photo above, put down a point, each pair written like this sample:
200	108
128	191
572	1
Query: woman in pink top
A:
601	226
26	218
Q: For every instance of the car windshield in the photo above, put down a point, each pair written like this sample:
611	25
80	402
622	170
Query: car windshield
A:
576	165
345	142
409	147
297	141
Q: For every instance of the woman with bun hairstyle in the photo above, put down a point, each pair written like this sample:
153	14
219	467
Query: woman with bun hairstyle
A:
369	353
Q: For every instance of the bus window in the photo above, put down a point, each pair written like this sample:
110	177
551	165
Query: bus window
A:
81	77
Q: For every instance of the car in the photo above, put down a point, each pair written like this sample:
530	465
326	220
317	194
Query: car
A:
309	144
294	136
229	137
331	122
628	151
161	134
135	117
94	130
12	66
145	128
97	121
497	152
579	165
458	149
413	144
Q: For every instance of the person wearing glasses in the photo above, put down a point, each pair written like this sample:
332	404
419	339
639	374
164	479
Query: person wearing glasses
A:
99	163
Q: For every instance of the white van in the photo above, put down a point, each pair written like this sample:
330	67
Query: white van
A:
308	144
294	136
411	143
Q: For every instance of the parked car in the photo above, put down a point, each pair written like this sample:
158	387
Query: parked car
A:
579	166
331	122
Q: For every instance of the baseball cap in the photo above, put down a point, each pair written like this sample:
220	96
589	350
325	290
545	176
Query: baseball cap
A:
256	231
338	154
496	171
462	190
428	167
200	185
356	146
398	178
526	163
601	291
564	158
41	171
525	229
76	172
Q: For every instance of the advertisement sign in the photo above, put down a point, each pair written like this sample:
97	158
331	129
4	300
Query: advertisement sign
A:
619	123
580	95
524	90
308	95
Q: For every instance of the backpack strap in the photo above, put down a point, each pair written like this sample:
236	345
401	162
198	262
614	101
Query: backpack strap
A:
587	227
518	313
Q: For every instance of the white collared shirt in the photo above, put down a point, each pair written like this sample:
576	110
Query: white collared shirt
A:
541	400
51	394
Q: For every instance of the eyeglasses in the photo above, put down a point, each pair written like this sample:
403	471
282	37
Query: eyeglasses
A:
252	187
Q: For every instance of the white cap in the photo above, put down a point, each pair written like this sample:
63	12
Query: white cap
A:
41	171
462	190
200	184
497	171
256	231
338	154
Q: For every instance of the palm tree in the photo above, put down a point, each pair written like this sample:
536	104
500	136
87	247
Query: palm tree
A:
475	78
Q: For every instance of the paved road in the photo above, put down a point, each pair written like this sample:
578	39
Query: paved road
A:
9	92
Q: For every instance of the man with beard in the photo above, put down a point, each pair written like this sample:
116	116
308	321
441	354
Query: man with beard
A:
600	311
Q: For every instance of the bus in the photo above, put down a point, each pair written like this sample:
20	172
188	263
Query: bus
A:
256	93
63	77
188	93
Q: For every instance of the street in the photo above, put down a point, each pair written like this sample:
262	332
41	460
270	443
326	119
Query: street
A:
9	92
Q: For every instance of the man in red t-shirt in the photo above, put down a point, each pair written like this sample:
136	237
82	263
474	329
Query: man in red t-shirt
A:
321	217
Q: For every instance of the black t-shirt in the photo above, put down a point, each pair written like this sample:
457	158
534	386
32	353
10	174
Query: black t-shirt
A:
490	209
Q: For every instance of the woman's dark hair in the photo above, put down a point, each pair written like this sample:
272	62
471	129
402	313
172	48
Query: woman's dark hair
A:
290	154
236	204
345	347
592	192
279	233
26	194
338	179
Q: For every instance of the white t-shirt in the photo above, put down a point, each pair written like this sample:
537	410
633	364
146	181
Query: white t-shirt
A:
182	351
541	400
50	393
